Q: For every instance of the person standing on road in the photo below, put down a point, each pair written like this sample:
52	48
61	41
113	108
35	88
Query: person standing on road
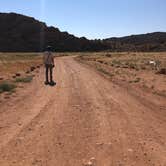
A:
49	65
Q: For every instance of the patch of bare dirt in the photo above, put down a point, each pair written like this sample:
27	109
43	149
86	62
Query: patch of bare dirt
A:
84	120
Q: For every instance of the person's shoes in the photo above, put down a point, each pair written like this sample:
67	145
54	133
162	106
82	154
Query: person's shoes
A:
46	83
52	83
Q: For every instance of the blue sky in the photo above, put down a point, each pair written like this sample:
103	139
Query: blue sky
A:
95	18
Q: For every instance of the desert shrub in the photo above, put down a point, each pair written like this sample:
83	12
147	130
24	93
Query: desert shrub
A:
108	55
105	72
127	63
132	66
143	67
24	79
135	81
117	62
106	63
7	87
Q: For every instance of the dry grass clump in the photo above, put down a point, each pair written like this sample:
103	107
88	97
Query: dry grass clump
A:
24	79
7	87
11	63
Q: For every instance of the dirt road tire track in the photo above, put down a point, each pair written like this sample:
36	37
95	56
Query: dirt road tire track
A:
84	116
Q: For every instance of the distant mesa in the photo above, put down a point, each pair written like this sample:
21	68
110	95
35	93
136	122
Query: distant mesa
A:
25	34
145	42
22	33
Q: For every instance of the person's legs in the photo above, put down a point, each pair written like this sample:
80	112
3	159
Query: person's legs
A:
52	83
46	74
51	72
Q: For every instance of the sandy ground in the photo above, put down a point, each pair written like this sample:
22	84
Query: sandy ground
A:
85	120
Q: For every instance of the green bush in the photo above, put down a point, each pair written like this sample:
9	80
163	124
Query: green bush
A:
7	87
116	62
24	79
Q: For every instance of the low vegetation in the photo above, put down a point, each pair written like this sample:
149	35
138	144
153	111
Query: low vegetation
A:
7	87
105	72
17	68
143	69
137	61
24	79
11	63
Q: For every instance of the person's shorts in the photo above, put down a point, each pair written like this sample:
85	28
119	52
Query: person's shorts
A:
49	65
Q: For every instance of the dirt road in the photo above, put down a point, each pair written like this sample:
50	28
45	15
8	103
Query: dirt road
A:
84	120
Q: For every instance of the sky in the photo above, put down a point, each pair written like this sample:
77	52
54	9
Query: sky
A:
94	19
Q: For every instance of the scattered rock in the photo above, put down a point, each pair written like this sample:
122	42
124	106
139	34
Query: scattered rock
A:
153	63
145	154
32	68
19	123
33	75
108	55
17	74
14	76
92	159
162	71
30	129
125	66
27	72
88	164
130	150
100	61
99	143
7	97
60	143
91	162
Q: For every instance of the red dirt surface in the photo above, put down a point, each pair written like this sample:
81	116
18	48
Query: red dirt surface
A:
84	120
